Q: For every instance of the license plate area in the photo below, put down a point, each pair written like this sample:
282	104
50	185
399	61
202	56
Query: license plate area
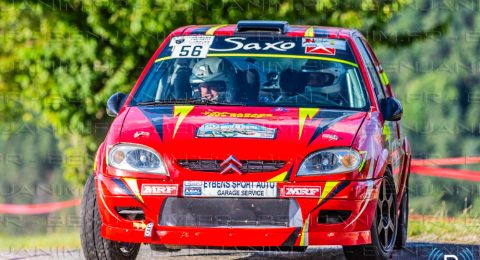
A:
230	189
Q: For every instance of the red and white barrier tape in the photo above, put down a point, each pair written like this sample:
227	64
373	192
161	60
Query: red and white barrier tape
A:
33	209
445	161
466	175
427	167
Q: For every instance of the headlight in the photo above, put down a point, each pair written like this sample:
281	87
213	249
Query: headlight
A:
136	158
330	161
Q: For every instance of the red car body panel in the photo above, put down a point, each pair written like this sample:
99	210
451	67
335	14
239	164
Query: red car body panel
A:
300	131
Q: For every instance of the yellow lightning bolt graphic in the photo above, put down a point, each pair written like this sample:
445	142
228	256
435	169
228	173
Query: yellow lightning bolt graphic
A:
132	184
181	112
328	187
304	238
139	225
364	159
310	32
279	178
303	114
386	131
384	78
212	30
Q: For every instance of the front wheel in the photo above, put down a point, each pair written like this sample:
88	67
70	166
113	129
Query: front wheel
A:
384	226
94	246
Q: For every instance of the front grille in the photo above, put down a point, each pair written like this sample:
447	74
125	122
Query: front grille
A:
248	166
230	212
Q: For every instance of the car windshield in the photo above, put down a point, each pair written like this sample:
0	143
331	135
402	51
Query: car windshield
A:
254	71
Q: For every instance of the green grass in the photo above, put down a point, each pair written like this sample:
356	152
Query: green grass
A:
444	231
69	240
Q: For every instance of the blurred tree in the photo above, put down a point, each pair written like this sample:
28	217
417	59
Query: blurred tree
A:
438	81
63	59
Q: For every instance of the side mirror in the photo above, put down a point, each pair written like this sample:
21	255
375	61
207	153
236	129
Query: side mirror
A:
115	102
392	109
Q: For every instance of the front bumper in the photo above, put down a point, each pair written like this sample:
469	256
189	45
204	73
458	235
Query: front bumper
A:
307	224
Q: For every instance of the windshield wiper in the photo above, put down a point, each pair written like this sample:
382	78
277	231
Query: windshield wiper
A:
155	102
193	101
215	102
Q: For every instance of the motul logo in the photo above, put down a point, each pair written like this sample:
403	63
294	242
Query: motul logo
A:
160	189
301	191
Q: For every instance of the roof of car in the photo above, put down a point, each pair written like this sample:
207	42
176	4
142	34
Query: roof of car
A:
290	30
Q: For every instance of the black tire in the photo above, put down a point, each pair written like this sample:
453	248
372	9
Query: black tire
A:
384	226
402	232
94	246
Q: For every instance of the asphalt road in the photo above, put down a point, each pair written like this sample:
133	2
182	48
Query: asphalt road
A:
414	250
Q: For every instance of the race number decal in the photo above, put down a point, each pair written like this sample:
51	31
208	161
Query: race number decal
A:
190	46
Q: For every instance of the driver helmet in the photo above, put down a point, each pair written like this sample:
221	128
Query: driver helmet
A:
322	76
217	74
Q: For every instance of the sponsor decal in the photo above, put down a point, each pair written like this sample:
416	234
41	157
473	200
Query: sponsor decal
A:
280	109
320	50
148	230
330	137
192	191
301	191
160	189
190	46
231	189
238	43
140	133
193	183
236	115
139	225
323	46
235	130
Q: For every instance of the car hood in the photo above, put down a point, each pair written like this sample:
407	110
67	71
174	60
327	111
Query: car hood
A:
216	132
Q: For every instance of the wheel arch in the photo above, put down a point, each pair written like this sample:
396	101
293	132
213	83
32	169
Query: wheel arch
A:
99	164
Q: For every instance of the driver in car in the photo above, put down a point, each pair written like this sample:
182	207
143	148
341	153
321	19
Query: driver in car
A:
316	82
213	79
212	91
323	81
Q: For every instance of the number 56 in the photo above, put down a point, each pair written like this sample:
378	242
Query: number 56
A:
187	50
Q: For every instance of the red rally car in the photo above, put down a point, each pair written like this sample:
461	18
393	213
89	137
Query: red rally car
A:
259	135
